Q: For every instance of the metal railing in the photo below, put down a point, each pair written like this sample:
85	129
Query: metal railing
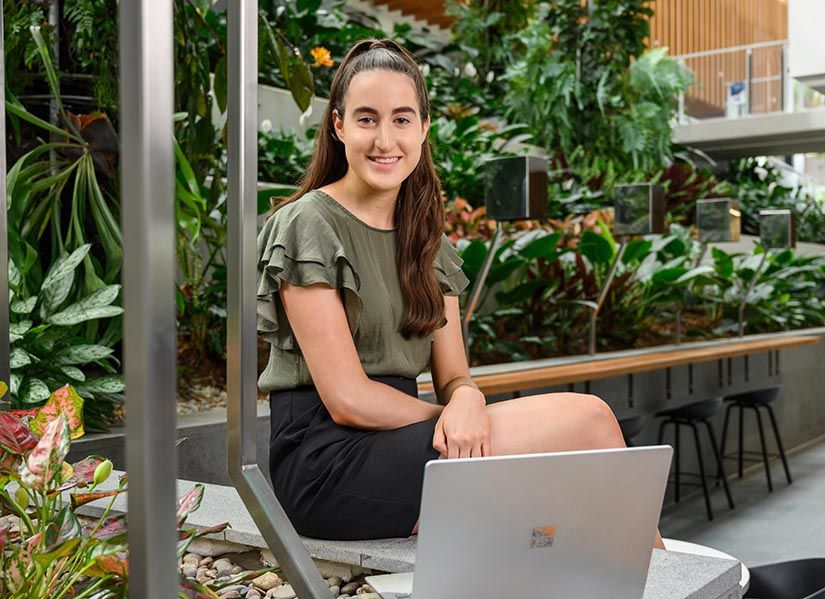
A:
737	81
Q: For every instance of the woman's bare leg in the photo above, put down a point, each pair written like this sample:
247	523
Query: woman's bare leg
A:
553	422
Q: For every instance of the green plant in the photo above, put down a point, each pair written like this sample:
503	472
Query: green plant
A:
51	551
283	156
46	345
605	117
758	185
460	148
93	46
66	169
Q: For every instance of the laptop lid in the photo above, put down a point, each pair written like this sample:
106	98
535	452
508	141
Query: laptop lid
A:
570	524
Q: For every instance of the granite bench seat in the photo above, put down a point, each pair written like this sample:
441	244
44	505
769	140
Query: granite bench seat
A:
672	575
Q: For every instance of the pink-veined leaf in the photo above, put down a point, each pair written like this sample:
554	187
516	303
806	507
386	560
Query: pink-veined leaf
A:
15	437
113	528
46	459
186	536
9	463
24	413
61	539
3	388
4	537
84	470
78	499
64	401
189	503
109	564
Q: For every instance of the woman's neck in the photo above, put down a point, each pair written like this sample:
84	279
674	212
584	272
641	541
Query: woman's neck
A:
374	207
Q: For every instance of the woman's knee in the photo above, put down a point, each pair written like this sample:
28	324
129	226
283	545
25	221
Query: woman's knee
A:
600	422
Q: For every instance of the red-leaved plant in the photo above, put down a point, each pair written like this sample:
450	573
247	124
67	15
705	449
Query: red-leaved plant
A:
49	550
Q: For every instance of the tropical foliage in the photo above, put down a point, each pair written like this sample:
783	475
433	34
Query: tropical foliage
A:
47	548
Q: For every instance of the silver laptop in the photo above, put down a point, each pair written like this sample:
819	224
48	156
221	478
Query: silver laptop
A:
577	524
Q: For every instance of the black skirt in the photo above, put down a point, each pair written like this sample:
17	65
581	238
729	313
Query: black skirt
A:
343	483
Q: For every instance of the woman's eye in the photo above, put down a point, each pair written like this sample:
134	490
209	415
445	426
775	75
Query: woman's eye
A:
364	119
405	121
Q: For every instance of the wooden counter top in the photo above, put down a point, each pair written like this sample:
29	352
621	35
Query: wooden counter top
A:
595	368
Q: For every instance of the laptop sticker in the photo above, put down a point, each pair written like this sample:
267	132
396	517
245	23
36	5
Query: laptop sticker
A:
543	537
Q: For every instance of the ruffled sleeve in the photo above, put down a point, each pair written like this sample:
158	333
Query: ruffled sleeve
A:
448	269
299	246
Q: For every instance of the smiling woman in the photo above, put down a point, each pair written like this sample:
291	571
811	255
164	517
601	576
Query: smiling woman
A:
357	294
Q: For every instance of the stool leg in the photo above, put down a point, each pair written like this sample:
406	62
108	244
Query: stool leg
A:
677	456
764	448
702	469
724	441
662	432
779	443
720	472
741	437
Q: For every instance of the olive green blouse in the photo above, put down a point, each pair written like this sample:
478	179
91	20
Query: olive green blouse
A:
316	240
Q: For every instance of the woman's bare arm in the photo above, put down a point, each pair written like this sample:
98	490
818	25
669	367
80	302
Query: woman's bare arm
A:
448	363
319	323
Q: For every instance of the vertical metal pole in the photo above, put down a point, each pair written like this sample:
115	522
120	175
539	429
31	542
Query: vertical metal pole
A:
475	294
148	216
749	77
783	58
594	315
4	222
241	345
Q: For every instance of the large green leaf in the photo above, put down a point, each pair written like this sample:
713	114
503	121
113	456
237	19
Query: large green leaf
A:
83	354
541	247
596	248
94	306
33	391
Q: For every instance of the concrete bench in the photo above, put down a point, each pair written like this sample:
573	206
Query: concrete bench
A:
671	576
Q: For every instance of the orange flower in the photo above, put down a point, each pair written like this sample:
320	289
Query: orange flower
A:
322	57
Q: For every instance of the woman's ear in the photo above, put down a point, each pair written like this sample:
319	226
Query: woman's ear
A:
338	125
425	129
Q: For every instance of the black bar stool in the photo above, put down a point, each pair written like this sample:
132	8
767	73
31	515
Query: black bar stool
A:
798	579
754	400
631	427
688	416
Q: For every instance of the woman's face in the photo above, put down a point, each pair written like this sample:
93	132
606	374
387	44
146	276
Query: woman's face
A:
382	129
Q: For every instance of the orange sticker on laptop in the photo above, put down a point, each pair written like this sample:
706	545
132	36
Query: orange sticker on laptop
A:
543	537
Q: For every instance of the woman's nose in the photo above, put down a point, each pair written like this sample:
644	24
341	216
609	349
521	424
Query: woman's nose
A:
383	137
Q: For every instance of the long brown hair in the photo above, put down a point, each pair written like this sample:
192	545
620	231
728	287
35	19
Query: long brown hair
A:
419	211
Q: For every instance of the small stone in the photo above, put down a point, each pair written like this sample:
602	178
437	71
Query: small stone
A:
284	592
190	570
334	581
234	587
253	594
205	571
206	561
223	567
230	595
236	570
365	589
350	588
335	590
267	581
192	557
369	596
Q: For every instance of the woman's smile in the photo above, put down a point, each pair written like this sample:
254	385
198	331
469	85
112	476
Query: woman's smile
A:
384	163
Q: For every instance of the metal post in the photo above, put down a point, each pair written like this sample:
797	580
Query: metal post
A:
4	222
478	286
749	77
241	350
594	315
783	61
148	215
743	304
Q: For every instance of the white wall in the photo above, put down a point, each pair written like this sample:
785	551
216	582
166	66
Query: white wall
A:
806	43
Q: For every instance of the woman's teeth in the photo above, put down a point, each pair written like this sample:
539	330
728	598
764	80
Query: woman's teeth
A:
384	160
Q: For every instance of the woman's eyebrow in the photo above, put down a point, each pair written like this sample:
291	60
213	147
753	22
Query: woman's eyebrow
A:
369	110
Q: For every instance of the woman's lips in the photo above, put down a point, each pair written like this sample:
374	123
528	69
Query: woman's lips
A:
384	166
